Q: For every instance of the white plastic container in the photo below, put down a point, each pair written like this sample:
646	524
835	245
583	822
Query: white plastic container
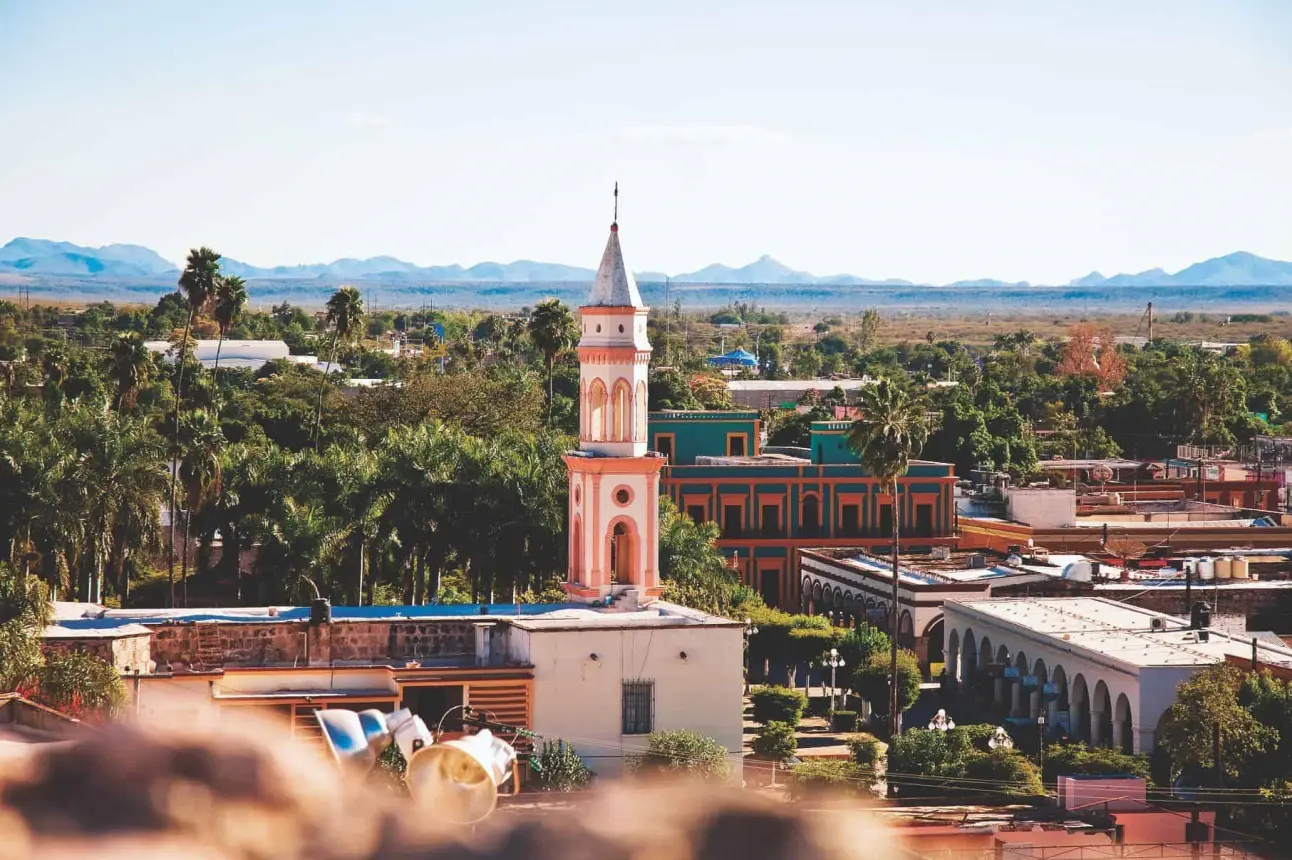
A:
1206	569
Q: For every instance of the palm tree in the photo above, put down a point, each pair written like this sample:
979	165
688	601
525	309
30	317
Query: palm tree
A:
230	299
354	495
200	469
553	331
344	314
296	549
891	430
132	364
197	282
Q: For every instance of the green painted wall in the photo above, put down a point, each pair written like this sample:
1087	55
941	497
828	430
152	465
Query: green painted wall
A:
702	434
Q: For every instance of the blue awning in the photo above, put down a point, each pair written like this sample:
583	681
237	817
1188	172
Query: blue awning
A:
740	357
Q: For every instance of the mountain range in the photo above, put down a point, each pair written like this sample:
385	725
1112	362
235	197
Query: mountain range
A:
43	257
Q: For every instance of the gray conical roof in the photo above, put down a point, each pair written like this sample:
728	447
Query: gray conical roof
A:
614	286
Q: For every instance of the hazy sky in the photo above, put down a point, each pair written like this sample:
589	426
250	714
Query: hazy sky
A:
933	141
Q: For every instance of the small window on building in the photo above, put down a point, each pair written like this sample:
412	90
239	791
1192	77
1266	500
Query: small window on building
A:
695	512
771	521
736	446
731	521
886	520
851	524
664	445
638	707
622	496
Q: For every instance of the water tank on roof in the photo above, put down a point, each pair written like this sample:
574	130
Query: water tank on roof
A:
1224	567
1078	571
1014	560
1240	569
1206	569
1200	616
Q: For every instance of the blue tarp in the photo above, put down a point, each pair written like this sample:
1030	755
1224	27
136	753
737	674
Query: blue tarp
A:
740	357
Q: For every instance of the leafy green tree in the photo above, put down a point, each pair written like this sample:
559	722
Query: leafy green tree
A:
891	430
345	316
871	682
776	741
1209	698
1003	771
682	753
669	390
692	569
553	331
1077	759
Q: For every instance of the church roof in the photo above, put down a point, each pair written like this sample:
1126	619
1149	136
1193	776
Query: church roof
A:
614	286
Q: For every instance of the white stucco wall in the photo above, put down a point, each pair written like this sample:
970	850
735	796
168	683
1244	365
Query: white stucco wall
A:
580	700
1042	508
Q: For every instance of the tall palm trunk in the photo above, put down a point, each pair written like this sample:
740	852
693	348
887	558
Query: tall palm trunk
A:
894	716
363	548
318	414
174	461
551	372
183	571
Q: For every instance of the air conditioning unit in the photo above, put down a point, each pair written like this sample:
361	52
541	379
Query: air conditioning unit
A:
941	553
1157	624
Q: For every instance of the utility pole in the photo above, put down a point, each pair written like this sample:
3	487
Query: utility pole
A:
1150	321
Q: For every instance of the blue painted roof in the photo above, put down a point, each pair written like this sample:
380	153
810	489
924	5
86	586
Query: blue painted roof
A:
302	613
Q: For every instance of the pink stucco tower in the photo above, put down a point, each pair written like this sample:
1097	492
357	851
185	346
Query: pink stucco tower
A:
614	479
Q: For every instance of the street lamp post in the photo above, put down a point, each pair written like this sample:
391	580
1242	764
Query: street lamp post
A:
750	630
835	662
1040	729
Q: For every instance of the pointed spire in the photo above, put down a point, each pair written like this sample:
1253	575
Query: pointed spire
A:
614	285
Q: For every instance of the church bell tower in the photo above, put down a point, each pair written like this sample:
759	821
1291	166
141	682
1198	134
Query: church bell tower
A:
614	479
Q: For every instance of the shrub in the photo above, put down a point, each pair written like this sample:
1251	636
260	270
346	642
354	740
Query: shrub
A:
856	647
682	753
1003	771
776	741
560	768
843	721
865	750
816	776
1076	759
778	704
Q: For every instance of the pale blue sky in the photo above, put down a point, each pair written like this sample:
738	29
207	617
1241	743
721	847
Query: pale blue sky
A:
1021	140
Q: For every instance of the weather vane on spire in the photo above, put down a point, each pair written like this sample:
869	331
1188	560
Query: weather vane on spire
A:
616	203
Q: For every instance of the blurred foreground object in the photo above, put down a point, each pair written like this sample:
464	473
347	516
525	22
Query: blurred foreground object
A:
455	781
131	792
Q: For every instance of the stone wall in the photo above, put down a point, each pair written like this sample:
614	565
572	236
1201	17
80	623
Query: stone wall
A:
127	653
297	643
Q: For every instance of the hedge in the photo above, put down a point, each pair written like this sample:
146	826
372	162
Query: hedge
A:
778	704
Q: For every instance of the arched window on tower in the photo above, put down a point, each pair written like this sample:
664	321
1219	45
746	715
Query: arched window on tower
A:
641	413
597	418
621	412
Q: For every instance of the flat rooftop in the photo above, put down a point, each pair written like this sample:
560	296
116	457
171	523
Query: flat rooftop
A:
1116	630
924	569
95	620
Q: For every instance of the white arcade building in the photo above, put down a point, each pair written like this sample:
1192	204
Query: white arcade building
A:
1101	671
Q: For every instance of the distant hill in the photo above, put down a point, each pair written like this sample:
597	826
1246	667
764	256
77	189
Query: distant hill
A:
44	258
1232	270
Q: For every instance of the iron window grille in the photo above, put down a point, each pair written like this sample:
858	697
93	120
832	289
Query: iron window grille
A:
638	707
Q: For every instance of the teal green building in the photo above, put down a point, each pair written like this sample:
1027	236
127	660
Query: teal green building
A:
769	504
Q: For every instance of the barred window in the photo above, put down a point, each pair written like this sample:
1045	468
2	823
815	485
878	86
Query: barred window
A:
639	707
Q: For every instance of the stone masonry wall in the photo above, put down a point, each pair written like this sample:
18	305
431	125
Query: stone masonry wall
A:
285	642
127	654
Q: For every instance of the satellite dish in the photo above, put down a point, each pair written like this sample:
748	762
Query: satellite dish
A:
1078	571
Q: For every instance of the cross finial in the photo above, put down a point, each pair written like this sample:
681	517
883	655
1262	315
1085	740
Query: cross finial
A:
616	221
